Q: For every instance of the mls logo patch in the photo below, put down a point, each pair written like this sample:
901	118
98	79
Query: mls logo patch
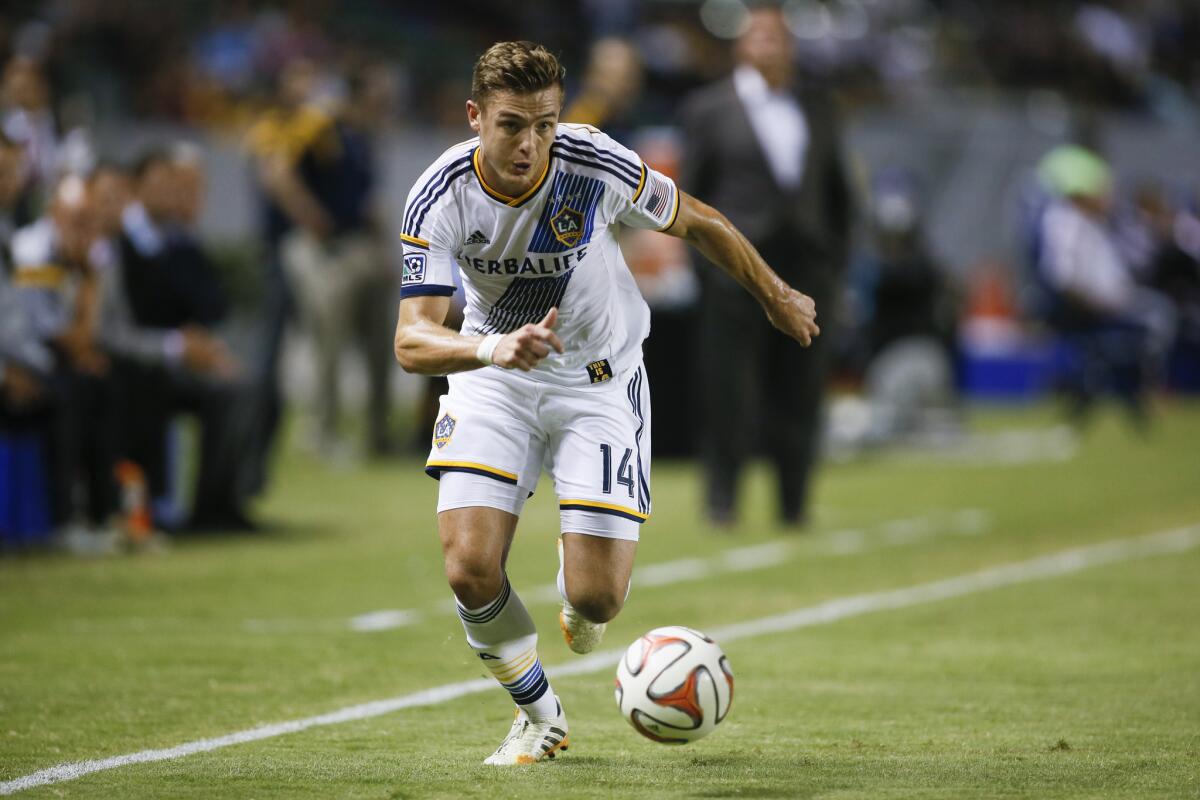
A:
414	269
567	225
443	430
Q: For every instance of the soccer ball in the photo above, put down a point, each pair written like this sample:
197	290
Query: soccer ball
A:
674	685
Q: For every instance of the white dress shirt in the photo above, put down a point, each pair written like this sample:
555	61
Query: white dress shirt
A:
778	123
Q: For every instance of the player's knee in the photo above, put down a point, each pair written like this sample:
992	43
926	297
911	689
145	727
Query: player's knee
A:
598	604
474	581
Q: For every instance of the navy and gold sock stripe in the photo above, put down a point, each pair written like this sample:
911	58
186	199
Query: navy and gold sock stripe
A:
490	611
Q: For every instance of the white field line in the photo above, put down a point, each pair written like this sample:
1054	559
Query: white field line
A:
893	533
1054	565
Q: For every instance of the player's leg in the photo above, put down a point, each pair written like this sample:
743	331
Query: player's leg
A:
600	460
594	574
475	545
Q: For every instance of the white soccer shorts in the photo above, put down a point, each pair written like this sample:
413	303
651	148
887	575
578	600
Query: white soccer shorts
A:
496	430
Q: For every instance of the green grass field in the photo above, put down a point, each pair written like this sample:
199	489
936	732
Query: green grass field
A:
1080	685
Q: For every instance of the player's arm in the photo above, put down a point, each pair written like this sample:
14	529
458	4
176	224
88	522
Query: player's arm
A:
707	229
424	345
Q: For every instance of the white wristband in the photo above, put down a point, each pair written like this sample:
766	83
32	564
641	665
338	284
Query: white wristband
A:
487	347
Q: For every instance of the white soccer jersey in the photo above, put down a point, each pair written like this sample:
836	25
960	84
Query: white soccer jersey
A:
553	246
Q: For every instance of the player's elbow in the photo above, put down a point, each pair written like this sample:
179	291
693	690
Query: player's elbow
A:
406	352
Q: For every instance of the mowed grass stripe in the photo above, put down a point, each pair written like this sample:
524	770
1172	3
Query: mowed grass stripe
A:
1066	562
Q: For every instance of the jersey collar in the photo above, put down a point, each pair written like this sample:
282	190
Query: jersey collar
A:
500	196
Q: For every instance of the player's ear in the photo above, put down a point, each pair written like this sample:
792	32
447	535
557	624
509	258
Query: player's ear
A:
473	112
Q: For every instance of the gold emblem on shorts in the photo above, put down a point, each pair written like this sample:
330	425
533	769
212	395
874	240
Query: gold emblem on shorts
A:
443	430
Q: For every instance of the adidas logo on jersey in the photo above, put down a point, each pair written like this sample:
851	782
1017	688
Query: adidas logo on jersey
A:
477	238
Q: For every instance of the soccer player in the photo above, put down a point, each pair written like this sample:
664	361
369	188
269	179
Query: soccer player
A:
547	370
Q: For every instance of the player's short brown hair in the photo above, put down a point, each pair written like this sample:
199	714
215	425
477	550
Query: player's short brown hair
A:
521	67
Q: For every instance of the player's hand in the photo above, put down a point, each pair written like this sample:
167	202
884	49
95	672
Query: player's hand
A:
795	314
526	346
205	354
20	386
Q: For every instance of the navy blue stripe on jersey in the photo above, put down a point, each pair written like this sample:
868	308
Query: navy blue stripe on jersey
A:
431	186
634	393
526	300
584	147
565	155
433	189
420	220
430	290
577	193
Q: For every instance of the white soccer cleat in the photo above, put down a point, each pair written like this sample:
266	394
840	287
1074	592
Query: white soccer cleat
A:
529	742
582	634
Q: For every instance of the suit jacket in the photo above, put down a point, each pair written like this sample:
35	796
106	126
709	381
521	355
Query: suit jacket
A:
805	231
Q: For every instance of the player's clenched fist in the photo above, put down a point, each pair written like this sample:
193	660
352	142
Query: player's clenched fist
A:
795	314
526	346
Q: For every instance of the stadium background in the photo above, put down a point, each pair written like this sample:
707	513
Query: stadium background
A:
1071	687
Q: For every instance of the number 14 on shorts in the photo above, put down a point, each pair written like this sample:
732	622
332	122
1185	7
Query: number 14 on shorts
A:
624	471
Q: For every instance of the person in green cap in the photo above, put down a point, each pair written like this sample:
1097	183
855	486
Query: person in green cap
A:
1120	327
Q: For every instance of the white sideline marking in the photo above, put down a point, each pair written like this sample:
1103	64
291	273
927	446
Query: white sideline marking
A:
892	533
385	620
1066	562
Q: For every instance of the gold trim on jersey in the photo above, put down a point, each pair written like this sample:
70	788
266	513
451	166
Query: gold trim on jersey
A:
641	184
404	237
674	213
501	196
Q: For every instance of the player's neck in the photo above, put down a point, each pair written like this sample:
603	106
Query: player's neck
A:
510	187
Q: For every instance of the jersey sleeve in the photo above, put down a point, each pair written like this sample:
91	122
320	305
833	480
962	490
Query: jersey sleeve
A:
427	237
652	201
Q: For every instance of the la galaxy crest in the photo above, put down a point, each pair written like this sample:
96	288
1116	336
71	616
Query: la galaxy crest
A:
567	226
443	430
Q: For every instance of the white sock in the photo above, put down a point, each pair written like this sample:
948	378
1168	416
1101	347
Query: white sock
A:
502	634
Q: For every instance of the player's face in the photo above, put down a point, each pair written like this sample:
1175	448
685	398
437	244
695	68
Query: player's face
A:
515	134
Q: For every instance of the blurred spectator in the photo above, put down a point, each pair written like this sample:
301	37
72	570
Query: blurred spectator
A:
12	181
612	85
763	147
333	253
25	362
29	120
276	142
910	316
1163	240
60	292
171	288
1121	329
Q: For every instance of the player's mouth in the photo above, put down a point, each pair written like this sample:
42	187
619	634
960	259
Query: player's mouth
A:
522	167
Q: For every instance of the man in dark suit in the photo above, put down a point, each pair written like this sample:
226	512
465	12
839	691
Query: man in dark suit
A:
763	148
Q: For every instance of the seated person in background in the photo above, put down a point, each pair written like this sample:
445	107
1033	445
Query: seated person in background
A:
59	292
25	367
162	301
1121	327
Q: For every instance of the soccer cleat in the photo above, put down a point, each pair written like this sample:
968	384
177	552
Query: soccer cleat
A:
529	742
582	634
